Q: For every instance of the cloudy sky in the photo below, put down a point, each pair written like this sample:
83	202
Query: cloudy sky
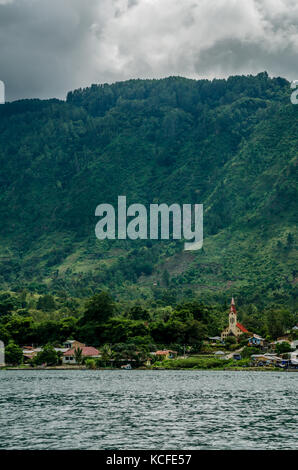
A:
48	47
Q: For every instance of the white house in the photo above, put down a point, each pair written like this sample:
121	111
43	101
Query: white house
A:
69	357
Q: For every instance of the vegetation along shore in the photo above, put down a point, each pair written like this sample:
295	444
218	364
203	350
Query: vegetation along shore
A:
190	335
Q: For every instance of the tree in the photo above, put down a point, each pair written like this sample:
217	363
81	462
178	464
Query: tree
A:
198	310
46	302
78	355
6	304
13	354
283	347
137	312
106	353
99	309
274	323
290	240
195	332
67	327
166	278
182	314
47	356
126	351
248	351
20	328
4	335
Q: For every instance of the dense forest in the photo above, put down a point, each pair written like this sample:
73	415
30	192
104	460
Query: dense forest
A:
228	144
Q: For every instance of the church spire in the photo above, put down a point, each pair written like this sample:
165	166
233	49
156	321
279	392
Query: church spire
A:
233	308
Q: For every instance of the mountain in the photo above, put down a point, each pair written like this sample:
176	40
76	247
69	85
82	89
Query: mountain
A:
228	144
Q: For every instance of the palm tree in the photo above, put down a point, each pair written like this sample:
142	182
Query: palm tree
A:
78	355
106	353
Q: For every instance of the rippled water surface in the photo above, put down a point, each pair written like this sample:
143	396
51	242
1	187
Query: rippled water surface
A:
148	410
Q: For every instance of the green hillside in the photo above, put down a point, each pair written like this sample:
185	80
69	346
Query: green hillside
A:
229	144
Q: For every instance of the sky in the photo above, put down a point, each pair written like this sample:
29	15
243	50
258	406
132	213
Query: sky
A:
48	47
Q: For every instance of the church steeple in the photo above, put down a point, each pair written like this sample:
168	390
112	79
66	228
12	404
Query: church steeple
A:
232	316
233	308
235	328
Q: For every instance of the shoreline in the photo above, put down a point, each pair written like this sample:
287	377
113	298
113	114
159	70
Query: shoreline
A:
83	368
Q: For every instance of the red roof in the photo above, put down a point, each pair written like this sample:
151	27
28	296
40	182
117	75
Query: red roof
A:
242	328
165	352
233	308
86	351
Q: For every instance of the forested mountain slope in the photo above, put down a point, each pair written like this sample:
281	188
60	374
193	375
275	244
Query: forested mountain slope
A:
229	144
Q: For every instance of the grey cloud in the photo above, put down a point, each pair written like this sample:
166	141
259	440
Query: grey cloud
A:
248	58
48	47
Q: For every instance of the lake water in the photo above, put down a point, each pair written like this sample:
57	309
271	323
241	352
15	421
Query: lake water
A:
148	410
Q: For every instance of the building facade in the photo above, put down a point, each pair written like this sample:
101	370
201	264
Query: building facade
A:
69	357
256	340
234	328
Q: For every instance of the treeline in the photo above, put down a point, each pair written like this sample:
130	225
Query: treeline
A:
176	92
104	321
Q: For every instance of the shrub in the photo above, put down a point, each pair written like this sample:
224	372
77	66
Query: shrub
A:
100	362
231	343
233	347
283	347
90	364
192	363
249	350
240	363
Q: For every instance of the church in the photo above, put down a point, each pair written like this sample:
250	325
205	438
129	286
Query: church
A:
235	328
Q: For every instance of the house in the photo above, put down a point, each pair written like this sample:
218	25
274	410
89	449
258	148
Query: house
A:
72	343
166	353
294	344
61	350
280	341
284	338
234	328
266	359
294	358
256	340
29	352
294	355
28	355
87	351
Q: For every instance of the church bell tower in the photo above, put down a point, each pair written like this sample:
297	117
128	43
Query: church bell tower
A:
233	316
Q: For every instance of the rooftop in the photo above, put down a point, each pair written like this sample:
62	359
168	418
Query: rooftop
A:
242	328
86	351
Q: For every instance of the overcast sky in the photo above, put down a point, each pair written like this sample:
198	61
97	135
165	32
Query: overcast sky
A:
48	47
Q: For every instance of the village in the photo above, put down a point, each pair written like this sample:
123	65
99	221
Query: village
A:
235	345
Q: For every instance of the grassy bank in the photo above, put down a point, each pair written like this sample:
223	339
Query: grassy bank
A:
191	363
209	363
